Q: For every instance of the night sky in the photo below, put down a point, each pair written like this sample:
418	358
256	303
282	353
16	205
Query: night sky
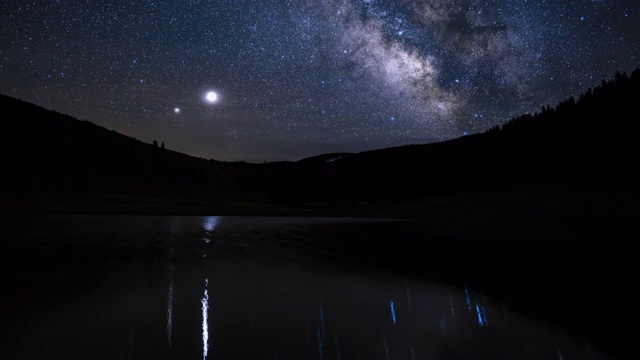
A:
297	78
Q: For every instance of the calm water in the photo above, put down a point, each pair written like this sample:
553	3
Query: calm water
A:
109	287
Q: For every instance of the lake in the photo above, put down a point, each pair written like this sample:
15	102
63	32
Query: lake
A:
218	287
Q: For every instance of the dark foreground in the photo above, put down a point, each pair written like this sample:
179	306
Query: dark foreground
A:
566	258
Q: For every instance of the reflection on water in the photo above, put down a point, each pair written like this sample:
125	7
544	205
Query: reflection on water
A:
205	320
393	312
209	223
228	298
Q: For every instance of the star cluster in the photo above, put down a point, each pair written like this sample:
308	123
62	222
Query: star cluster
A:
282	80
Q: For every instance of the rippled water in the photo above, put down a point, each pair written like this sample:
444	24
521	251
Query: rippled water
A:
109	287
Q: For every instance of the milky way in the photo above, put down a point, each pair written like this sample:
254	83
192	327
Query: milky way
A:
301	78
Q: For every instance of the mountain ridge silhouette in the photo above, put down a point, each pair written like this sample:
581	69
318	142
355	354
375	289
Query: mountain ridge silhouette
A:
579	143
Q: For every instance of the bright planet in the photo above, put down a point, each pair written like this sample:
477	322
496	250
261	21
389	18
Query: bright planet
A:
211	96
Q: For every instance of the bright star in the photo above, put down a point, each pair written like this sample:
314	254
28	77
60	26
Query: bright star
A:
176	110
211	96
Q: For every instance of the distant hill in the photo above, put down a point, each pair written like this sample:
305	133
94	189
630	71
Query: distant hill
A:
57	152
585	142
50	159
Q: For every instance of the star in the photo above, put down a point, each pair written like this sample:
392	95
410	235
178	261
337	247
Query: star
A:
211	97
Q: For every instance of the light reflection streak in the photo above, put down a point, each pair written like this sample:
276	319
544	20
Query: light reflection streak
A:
211	222
466	293
205	320
482	315
209	225
393	312
480	311
170	305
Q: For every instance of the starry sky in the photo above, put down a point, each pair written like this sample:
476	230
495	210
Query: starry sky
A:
267	80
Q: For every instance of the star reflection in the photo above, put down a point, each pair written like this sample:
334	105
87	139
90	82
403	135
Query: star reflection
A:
393	312
205	320
209	224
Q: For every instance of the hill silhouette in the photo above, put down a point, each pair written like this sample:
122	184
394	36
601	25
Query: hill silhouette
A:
583	143
54	163
579	143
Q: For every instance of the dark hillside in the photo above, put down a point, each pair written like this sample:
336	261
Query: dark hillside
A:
584	143
50	159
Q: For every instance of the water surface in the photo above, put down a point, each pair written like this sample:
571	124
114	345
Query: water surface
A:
161	287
